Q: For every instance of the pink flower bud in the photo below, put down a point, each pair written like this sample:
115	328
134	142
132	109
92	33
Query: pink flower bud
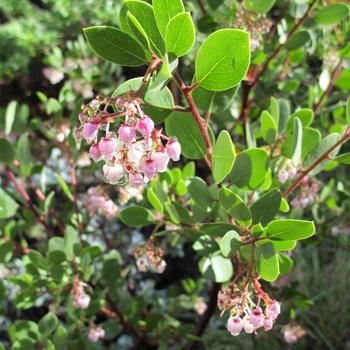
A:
295	203
283	176
234	325
95	152
173	149
113	173
162	160
107	147
292	173
136	179
81	301
161	267
256	318
145	126
90	131
95	334
247	325
149	167
126	133
273	310
304	202
78	135
268	324
289	337
83	117
136	152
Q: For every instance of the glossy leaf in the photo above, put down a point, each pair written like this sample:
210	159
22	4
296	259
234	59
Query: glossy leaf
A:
343	158
184	127
138	31
297	141
331	14
7	153
180	34
268	263
8	207
223	59
266	207
290	230
298	40
116	46
217	268
136	216
347	110
164	11
250	168
305	115
24	155
223	156
199	192
268	127
154	200
230	243
48	324
259	6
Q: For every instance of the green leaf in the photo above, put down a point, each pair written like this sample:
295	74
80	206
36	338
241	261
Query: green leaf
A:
184	127
284	207
116	46
318	151
285	263
290	230
297	141
8	207
311	138
217	268
48	324
7	153
250	168
268	263
230	243
145	16
331	14
223	59
298	40
223	156
6	252
205	245
138	31
10	116
60	338
234	206
268	127
305	115
180	34
199	192
259	6
71	239
343	158
24	155
64	187
348	110
164	11
136	216
188	170
275	110
284	115
154	200
266	207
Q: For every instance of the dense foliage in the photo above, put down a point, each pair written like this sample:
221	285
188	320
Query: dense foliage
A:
174	174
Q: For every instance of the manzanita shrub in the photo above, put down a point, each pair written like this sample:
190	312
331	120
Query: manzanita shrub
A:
236	195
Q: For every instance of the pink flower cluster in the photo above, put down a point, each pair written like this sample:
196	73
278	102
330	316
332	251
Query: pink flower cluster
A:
245	314
95	334
256	24
134	152
307	193
292	333
288	171
81	300
98	203
149	256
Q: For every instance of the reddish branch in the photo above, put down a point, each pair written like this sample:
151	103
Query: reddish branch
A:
25	196
334	76
324	156
187	92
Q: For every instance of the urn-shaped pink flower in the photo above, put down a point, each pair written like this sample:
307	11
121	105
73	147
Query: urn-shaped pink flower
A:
173	148
113	173
90	131
136	179
256	317
107	146
95	152
145	126
126	133
234	325
162	160
149	167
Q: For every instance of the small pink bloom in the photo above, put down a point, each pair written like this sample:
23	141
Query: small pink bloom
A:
304	202
268	324
126	133
247	325
283	176
136	152
273	310
295	203
162	160
256	318
95	152
161	267
173	149
83	117
107	147
136	179
81	301
113	173
200	306
142	264
292	173
145	126
78	135
95	334
90	131
149	167
289	337
130	108
235	325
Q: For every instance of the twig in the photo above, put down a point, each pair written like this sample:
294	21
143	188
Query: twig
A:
23	193
201	7
323	157
330	86
187	92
